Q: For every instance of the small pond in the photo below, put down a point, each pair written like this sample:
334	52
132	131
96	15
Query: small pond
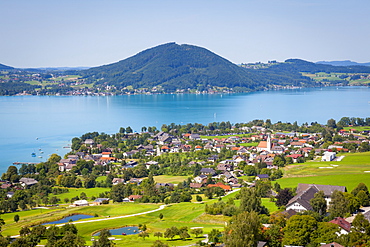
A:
128	230
69	219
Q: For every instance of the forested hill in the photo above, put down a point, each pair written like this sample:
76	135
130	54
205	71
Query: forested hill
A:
174	66
294	65
343	63
4	67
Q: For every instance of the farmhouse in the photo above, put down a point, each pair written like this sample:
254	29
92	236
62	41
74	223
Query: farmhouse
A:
305	192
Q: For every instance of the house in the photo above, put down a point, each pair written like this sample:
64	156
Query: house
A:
345	226
10	194
220	185
295	157
6	185
27	181
333	244
328	156
194	137
80	203
207	171
89	142
135	181
305	192
134	197
149	163
224	167
100	201
277	150
367	215
262	177
200	179
196	185
301	202
327	189
116	181
169	185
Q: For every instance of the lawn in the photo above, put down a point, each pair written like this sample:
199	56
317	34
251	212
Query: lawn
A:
169	179
249	144
358	128
348	172
73	192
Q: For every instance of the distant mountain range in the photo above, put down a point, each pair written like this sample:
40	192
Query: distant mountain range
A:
343	63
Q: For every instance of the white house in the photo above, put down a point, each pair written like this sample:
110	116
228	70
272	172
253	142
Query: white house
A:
328	156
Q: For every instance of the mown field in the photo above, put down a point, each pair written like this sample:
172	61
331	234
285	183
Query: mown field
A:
348	172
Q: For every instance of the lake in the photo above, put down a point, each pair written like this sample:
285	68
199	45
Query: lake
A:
46	124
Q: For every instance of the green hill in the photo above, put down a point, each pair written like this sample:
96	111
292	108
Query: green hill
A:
175	66
4	67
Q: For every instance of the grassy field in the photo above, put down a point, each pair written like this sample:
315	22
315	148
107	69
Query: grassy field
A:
358	128
73	192
250	144
169	179
348	172
182	214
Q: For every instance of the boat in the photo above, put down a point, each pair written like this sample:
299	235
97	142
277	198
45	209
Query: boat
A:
33	155
123	233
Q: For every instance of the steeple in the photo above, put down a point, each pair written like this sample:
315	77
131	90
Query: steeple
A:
268	143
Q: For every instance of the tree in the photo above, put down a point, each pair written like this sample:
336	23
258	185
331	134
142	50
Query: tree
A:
274	236
103	240
325	233
128	130
160	216
249	201
318	203
361	224
331	123
16	218
171	232
338	205
196	231
283	197
143	235
183	233
54	158
158	243
243	230
214	236
298	230
24	231
158	234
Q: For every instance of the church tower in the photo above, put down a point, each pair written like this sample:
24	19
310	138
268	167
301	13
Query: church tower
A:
268	146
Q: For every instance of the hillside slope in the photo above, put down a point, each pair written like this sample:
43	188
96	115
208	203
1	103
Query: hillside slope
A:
174	66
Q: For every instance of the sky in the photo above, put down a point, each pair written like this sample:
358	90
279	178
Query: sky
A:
72	33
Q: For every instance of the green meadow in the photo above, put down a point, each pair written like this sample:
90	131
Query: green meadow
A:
351	170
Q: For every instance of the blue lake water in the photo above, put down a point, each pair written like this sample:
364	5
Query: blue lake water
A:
128	230
70	218
46	124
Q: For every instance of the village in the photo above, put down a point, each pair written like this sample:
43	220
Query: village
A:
214	161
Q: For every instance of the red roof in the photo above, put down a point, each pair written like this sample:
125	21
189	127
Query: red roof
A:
342	223
294	156
221	185
134	197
